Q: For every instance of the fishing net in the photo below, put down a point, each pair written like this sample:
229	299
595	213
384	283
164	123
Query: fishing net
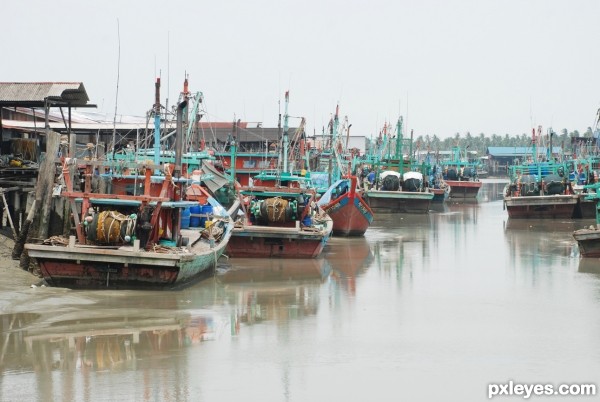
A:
111	227
275	210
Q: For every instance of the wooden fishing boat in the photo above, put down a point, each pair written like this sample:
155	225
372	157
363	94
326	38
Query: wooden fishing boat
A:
280	217
344	203
539	188
279	222
343	200
133	241
130	224
543	206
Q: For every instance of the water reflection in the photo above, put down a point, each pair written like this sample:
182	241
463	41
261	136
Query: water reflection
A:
463	290
590	266
272	289
540	241
98	339
349	258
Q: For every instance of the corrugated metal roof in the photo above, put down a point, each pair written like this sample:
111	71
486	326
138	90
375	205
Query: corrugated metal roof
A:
21	93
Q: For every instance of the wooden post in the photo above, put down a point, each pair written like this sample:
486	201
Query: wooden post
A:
46	182
36	226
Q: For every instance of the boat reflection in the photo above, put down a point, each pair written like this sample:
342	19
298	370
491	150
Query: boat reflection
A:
98	339
589	266
349	258
541	240
273	289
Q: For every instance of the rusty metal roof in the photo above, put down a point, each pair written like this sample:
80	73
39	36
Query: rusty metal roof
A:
34	94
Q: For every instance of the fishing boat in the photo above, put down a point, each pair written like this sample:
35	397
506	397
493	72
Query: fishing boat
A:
343	201
460	175
539	189
133	241
399	184
131	225
588	239
390	195
350	213
279	222
279	215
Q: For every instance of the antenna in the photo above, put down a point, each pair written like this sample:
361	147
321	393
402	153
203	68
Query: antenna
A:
114	136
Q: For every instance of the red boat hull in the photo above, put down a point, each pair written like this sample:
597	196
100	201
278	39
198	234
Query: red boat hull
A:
463	189
93	275
265	247
350	214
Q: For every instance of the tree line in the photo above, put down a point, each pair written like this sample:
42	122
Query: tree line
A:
481	142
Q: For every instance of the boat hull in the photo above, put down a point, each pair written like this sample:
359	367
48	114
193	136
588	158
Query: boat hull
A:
588	241
463	189
398	201
351	216
255	241
88	267
545	206
585	209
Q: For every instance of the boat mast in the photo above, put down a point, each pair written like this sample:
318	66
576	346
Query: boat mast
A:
334	143
157	122
232	149
182	109
399	154
285	132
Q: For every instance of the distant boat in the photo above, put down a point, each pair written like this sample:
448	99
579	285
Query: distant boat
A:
528	196
389	195
539	189
399	181
461	175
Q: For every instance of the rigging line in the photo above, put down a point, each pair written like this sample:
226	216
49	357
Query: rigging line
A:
117	92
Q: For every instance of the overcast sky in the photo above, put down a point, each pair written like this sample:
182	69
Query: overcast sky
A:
448	67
